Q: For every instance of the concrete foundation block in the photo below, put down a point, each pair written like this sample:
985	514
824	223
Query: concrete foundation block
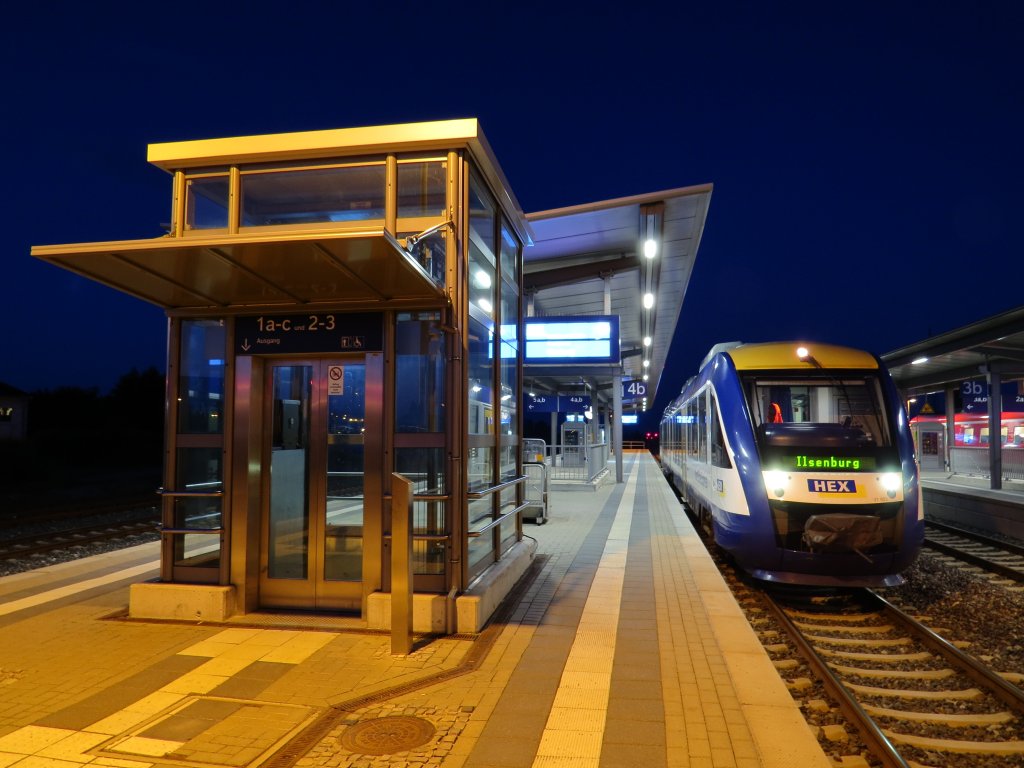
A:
188	602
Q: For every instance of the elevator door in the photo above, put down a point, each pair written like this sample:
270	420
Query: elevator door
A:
314	496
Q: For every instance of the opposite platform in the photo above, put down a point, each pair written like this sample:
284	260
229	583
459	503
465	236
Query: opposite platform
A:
625	648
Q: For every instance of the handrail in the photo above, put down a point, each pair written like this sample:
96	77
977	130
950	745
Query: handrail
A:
179	531
423	497
495	488
189	494
497	521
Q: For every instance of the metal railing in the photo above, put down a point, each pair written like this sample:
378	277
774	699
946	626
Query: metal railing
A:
975	461
535	492
577	463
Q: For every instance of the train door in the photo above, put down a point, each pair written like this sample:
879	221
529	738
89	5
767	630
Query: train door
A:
931	447
317	472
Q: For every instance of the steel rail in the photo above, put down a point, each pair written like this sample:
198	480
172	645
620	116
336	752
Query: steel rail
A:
1009	546
868	729
994	683
977	560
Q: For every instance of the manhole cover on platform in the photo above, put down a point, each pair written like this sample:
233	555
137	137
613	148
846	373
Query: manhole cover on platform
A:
387	735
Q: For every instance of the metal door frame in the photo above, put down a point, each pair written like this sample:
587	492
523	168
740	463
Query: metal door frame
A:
314	592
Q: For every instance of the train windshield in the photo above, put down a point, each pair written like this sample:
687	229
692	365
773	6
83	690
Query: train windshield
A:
844	414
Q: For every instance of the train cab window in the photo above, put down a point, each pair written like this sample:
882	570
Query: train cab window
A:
851	404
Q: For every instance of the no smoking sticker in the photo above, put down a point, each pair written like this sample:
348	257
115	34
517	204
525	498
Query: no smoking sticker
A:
335	380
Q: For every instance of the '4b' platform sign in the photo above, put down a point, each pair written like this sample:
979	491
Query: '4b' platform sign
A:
634	390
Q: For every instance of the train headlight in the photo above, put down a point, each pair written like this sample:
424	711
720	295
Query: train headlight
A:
891	482
775	482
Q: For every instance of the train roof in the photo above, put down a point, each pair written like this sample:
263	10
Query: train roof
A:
781	355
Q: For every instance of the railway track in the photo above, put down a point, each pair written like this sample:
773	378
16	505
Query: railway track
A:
914	697
26	546
54	514
1000	557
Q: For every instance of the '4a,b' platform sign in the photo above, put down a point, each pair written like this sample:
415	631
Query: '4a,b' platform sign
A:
633	390
309	333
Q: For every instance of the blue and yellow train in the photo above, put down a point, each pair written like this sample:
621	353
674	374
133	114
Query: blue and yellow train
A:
798	459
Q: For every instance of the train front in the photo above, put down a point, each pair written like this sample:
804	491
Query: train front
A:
837	471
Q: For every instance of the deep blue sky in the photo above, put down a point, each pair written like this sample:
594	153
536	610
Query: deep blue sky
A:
866	158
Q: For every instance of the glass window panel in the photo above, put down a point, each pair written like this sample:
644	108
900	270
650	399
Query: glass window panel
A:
481	372
201	377
481	468
206	202
481	554
508	361
482	212
344	508
481	405
419	373
317	195
197	550
425	467
422	189
508	536
508	461
198	471
509	255
289	470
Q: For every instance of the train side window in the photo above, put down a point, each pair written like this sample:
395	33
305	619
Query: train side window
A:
719	453
702	428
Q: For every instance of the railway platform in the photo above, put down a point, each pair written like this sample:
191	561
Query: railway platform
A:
968	502
621	647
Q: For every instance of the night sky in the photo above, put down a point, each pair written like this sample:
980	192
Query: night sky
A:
866	157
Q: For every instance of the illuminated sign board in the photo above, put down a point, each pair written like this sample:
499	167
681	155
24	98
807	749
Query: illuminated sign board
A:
572	339
309	332
629	418
803	461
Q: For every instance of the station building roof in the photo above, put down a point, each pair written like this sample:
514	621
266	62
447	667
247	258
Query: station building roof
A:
590	260
218	270
993	344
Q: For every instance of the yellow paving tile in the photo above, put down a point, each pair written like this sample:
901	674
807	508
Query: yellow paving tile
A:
300	648
6	759
208	648
236	635
138	745
273	637
576	719
577	698
119	722
113	762
570	744
32	738
34	761
74	747
194	682
563	762
155	702
230	663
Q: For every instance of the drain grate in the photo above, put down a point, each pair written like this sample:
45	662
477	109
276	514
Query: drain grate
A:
387	735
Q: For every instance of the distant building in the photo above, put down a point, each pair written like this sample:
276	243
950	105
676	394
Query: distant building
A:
13	413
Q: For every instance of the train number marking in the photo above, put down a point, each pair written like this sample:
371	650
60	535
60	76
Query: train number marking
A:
832	486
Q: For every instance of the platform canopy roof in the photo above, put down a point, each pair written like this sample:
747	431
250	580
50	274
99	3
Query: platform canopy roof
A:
590	260
993	344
